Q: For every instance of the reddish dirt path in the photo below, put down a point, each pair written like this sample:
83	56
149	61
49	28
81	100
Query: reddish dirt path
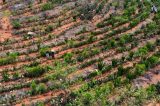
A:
5	29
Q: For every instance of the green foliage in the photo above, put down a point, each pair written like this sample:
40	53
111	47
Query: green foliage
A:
100	7
158	87
87	98
16	75
101	66
134	22
39	104
83	55
11	58
16	24
49	28
140	69
37	88
41	88
86	12
114	62
68	57
141	51
34	71
56	1
150	46
117	81
151	61
129	11
121	71
43	51
5	76
151	28
47	6
91	38
33	87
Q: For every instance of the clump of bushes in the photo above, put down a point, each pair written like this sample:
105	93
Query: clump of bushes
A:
37	88
11	58
34	71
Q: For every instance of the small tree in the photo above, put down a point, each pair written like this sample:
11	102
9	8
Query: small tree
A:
33	87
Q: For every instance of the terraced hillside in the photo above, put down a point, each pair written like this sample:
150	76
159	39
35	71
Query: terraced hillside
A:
79	52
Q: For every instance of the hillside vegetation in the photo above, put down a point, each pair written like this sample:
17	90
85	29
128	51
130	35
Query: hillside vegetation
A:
103	52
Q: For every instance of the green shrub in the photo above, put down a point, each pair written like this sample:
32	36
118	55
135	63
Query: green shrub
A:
84	54
101	66
43	51
150	46
34	71
114	62
134	22
117	81
49	28
39	103
15	75
141	51
87	98
121	71
47	6
16	24
37	88
112	43
5	76
140	69
68	57
100	7
158	87
130	75
41	88
11	58
151	61
33	87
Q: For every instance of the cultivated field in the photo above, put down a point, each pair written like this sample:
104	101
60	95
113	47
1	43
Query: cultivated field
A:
79	53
